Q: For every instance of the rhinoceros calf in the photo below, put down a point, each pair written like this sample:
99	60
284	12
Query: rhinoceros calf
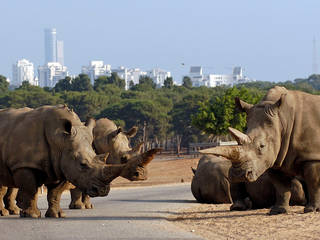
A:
108	138
47	145
210	184
282	135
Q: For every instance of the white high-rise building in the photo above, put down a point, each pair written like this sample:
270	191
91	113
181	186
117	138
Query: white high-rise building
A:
23	70
158	76
129	75
60	52
96	69
53	48
212	80
51	73
50	45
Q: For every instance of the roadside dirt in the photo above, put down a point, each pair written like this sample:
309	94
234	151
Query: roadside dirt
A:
164	169
215	221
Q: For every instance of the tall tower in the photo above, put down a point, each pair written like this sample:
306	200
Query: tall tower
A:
50	45
60	55
314	57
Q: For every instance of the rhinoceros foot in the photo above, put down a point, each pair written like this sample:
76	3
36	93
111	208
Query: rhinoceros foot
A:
86	202
55	213
4	212
275	210
14	210
310	208
30	213
241	205
76	205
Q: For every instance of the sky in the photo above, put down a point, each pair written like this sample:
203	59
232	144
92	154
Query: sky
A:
272	40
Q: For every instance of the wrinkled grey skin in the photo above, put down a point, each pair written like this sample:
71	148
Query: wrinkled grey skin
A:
45	146
282	135
108	138
210	184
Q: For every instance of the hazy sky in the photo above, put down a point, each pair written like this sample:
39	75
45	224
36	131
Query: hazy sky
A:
271	39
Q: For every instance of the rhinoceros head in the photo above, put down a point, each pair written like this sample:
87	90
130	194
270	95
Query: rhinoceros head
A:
72	155
257	150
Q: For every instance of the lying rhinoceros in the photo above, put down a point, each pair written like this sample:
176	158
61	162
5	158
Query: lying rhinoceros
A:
47	145
108	138
211	184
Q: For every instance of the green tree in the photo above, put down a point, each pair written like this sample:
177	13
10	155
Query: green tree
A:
116	80
4	85
81	83
63	85
216	115
186	82
168	83
145	84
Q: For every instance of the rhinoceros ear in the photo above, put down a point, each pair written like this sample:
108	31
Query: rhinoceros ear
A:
90	123
132	132
242	106
67	126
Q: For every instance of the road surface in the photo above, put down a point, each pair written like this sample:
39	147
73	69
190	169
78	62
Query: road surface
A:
130	213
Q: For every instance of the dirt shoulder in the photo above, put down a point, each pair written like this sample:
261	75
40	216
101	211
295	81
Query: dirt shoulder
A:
164	171
215	221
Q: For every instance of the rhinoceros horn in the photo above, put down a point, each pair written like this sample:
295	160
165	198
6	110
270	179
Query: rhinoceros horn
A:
240	137
232	153
148	156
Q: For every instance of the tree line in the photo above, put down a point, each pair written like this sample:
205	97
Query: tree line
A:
170	115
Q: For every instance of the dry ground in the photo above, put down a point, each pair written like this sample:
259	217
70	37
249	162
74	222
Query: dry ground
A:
215	221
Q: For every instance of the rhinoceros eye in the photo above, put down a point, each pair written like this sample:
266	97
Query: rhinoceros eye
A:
262	145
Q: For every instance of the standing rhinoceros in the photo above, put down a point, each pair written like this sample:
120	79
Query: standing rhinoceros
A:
210	184
47	145
282	135
107	138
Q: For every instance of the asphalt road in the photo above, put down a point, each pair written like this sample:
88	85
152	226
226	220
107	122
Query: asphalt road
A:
131	213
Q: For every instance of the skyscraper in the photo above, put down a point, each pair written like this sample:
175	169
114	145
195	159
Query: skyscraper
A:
50	45
60	55
23	70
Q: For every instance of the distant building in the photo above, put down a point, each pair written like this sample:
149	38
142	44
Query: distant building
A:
23	70
158	76
51	73
50	45
53	48
60	52
129	75
96	69
212	80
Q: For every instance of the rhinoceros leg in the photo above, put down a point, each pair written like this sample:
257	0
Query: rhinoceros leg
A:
53	196
10	201
282	185
3	211
76	199
25	180
240	198
311	174
86	201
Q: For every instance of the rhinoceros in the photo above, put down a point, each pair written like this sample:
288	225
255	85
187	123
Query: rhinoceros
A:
211	184
283	136
47	145
108	138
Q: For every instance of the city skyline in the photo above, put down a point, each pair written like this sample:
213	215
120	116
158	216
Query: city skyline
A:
270	42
